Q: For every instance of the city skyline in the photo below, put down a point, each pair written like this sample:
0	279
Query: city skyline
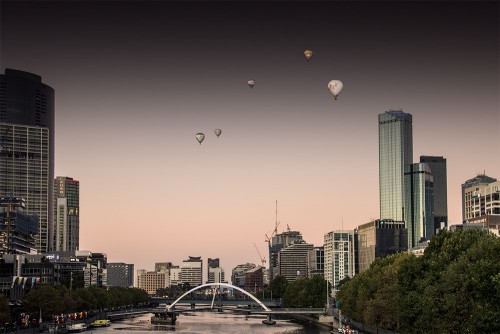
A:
132	90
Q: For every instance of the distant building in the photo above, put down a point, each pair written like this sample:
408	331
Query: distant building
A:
419	201
395	152
378	239
192	271
215	274
293	261
27	136
96	268
152	281
238	274
339	256
18	230
175	276
481	201
438	171
120	274
66	214
278	242
163	266
472	207
254	279
316	261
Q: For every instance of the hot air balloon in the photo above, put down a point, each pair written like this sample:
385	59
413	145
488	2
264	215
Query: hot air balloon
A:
251	83
218	132
200	137
335	87
308	54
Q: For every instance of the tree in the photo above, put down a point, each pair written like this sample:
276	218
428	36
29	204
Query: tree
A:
5	315
278	286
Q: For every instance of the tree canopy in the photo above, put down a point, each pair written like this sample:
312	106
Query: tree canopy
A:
454	287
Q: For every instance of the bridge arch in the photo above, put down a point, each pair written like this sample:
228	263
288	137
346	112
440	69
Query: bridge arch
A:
169	307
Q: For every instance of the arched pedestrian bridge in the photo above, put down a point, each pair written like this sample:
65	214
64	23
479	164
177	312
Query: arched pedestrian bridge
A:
170	312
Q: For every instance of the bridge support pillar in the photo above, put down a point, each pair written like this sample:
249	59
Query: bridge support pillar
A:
268	321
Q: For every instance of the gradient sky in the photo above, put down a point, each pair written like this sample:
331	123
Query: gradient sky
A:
136	80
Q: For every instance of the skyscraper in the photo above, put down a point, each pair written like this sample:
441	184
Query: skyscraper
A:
395	151
419	198
66	214
438	170
339	256
27	122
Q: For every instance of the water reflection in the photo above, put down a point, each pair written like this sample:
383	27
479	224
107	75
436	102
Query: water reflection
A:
212	323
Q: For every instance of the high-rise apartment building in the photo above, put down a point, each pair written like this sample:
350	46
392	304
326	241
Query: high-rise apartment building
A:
438	171
278	242
294	261
66	214
192	271
419	201
395	151
378	239
339	256
120	274
27	124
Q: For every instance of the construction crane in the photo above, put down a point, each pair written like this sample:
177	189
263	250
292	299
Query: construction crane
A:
276	224
262	259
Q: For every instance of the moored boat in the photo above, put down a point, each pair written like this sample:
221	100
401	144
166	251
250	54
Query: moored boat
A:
101	323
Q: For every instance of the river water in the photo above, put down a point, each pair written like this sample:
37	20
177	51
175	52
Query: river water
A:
212	323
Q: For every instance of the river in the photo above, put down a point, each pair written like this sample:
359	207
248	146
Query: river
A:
212	323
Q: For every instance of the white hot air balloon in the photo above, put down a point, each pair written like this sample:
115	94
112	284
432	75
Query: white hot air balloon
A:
251	83
218	132
308	54
200	137
335	87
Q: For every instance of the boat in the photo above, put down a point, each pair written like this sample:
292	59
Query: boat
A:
101	323
76	327
163	319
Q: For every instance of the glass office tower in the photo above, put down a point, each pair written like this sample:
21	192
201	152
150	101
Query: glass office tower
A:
395	151
419	205
27	147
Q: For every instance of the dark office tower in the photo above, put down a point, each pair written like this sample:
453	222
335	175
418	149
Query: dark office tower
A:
438	170
66	214
419	203
27	147
120	274
395	151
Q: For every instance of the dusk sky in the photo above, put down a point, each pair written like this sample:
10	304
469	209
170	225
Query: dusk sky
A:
136	80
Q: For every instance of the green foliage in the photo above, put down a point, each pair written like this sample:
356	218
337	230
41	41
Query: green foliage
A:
454	287
306	292
55	300
277	286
